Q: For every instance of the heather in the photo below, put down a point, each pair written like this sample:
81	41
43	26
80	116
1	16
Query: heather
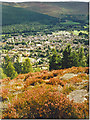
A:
47	94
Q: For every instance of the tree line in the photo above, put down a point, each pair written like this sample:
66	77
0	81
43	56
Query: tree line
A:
69	58
13	69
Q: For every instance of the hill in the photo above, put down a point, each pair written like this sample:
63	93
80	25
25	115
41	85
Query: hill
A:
74	11
54	8
13	15
46	94
32	17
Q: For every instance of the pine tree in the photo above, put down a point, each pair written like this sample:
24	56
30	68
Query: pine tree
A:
10	71
2	75
5	63
8	67
67	59
87	60
75	59
82	58
27	67
18	66
54	61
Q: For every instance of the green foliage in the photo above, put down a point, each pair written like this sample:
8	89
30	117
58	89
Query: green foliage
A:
82	58
2	75
10	71
75	59
27	67
37	69
70	58
18	67
54	61
8	68
67	58
87	61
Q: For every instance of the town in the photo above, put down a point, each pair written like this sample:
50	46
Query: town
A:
39	47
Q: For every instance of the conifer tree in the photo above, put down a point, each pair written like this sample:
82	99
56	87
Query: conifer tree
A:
2	75
67	57
87	61
82	58
75	59
54	61
8	68
27	67
10	71
18	66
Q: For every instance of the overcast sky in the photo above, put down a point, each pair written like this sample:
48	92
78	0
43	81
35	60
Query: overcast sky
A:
42	0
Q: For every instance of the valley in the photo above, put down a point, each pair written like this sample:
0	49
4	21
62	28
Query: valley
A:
44	65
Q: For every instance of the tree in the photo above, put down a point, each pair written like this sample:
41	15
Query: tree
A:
8	67
87	61
82	58
5	63
10	71
75	59
54	61
18	67
67	57
27	67
2	75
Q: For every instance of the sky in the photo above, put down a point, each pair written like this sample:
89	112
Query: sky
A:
42	0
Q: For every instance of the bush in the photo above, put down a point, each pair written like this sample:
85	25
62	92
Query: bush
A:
56	81
44	102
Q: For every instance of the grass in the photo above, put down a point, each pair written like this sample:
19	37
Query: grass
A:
69	23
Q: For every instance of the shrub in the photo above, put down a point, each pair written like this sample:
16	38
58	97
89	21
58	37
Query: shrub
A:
67	89
44	102
83	76
75	79
56	81
3	93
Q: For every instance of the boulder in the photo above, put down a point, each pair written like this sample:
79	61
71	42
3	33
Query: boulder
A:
68	76
78	96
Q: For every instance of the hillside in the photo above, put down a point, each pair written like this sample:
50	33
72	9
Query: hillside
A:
13	15
74	11
51	8
44	94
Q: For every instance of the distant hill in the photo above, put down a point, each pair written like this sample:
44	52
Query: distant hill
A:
65	7
14	15
41	11
55	8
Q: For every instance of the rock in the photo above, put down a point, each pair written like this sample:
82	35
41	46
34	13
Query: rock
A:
68	76
78	95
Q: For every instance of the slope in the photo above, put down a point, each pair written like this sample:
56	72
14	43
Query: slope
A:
14	15
73	11
46	94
